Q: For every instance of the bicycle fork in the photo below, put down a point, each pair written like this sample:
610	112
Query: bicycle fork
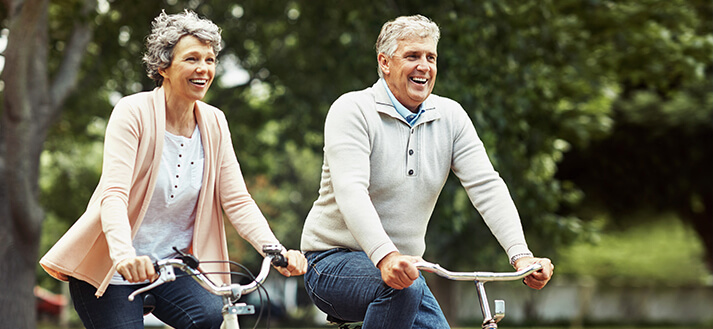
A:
489	321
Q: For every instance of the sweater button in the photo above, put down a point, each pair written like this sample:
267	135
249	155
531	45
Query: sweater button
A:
410	152
410	172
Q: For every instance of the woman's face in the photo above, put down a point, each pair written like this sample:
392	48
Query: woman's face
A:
191	71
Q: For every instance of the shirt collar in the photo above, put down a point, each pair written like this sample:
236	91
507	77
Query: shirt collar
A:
405	113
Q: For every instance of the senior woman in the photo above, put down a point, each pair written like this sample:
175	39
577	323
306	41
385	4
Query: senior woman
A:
169	175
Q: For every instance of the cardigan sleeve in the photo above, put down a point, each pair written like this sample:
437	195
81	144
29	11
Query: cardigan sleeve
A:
120	152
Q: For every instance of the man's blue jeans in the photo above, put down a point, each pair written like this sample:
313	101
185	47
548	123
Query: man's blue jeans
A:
346	284
181	304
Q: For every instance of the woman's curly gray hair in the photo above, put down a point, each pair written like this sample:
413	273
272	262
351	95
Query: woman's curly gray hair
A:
402	28
167	30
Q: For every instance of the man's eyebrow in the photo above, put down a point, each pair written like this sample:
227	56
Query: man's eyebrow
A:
411	52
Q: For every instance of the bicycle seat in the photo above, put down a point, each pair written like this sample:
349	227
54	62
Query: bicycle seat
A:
149	303
343	324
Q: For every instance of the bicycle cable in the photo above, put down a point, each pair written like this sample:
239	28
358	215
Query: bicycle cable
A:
249	275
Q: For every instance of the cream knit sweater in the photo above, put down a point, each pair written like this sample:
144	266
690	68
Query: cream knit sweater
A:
381	177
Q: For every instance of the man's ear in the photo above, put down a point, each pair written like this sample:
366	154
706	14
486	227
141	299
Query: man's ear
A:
384	62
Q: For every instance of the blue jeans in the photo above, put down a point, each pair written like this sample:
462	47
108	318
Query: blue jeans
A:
181	304
346	284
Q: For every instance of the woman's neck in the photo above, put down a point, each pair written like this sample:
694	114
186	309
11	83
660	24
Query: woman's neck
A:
180	118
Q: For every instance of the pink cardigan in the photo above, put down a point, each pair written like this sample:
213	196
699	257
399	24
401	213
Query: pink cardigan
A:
132	152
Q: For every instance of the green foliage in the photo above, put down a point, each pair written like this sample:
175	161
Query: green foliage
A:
640	256
538	78
658	157
70	167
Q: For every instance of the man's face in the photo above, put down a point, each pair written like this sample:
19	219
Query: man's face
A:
411	71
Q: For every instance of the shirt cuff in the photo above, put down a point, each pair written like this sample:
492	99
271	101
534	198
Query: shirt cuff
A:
518	251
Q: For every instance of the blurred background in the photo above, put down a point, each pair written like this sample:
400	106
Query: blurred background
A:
598	115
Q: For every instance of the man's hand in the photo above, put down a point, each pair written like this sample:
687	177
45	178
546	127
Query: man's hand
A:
136	269
296	263
539	279
398	271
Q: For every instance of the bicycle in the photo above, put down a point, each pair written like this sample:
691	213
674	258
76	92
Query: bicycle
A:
230	293
490	320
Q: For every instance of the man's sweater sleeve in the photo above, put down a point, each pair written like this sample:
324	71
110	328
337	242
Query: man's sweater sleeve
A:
486	189
347	150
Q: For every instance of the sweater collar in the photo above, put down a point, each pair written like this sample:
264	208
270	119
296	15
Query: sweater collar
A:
384	105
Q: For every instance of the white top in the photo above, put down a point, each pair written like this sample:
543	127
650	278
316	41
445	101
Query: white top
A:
172	212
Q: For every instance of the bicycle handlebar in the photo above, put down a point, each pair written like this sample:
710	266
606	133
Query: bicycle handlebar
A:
477	276
490	321
189	264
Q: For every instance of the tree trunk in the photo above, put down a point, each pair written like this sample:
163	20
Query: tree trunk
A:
31	105
26	91
702	222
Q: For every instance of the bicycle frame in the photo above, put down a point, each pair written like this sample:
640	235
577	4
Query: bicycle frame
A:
490	321
229	293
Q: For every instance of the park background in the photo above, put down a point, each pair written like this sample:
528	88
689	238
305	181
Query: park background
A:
598	115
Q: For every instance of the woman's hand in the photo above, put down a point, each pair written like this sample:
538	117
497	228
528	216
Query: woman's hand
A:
296	263
539	279
136	269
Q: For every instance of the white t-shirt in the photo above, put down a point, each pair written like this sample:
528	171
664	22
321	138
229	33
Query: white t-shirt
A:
171	214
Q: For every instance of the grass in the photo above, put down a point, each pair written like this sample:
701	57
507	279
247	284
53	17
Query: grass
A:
618	258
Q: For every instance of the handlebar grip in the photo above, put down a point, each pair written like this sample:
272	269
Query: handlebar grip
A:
279	260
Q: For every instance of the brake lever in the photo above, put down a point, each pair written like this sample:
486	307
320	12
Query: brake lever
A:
167	275
188	259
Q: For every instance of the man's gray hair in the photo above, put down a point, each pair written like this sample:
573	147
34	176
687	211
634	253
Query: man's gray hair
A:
404	27
167	30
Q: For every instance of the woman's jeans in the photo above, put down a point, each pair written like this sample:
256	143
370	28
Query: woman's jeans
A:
346	284
181	304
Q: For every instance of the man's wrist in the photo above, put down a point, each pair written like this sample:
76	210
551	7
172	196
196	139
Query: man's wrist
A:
385	258
515	257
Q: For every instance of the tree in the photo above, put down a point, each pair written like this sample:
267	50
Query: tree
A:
293	50
658	157
538	78
31	103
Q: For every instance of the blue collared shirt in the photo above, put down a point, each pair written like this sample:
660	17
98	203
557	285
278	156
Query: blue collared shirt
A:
410	117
